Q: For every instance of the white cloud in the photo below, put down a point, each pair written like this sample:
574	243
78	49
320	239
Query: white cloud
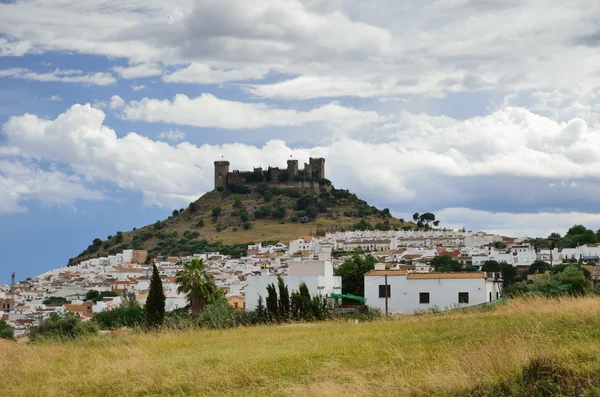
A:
510	156
137	87
204	74
138	71
20	182
210	111
15	48
116	102
66	76
354	48
517	225
55	98
172	135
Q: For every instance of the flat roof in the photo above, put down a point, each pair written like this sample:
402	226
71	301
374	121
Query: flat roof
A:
445	275
386	273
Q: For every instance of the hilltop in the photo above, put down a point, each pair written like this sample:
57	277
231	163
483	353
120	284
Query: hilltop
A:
528	347
227	219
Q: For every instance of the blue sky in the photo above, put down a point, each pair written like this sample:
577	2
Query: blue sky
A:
111	114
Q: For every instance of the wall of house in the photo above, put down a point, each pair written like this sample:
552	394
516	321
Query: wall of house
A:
443	293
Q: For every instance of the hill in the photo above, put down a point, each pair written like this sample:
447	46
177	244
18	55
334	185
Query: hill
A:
229	219
528	347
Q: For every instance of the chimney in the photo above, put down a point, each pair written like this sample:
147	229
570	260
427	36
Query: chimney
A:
380	266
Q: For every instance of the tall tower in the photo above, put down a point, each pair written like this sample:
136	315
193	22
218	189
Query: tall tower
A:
317	166
221	171
292	169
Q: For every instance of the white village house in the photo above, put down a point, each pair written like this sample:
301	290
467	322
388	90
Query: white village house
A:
317	274
412	292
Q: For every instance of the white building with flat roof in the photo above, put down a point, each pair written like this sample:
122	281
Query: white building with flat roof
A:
412	292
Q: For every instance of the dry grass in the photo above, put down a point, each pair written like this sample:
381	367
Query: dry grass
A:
419	355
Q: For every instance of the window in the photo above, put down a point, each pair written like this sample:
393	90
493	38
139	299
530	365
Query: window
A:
382	291
490	296
463	297
423	297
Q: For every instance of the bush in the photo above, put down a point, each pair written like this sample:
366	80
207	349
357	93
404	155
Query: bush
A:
55	301
262	212
6	331
65	326
120	317
247	225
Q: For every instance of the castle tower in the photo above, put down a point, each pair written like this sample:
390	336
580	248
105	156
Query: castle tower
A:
307	170
317	166
292	169
274	173
221	171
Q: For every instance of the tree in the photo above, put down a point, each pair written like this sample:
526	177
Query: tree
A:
279	212
284	299
445	263
6	331
92	295
311	212
55	301
261	311
574	277
272	308
491	266
155	303
63	326
415	216
353	271
426	219
199	286
128	299
216	212
301	303
538	266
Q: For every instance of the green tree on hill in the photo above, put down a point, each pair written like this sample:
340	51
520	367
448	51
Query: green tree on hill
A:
155	303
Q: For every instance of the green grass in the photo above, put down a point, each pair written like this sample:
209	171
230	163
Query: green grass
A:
462	353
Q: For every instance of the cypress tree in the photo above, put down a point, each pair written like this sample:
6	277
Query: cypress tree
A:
155	303
284	299
272	309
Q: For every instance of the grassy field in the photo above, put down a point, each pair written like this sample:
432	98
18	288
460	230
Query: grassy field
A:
479	353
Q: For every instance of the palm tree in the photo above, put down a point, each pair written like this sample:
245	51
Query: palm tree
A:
199	286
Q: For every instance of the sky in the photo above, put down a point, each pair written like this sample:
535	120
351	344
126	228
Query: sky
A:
484	112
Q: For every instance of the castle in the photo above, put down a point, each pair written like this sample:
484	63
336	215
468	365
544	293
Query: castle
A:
314	172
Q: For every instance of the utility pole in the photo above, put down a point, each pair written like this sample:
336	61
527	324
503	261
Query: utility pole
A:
386	296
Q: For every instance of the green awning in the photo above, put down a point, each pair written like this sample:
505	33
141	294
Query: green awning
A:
349	296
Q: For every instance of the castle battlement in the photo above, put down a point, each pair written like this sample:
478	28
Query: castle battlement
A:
314	170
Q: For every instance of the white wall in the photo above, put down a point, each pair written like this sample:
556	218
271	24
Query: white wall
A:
443	293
